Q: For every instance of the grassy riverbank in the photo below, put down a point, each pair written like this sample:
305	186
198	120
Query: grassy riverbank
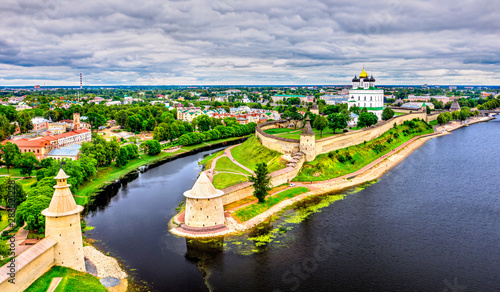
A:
353	158
72	281
108	174
250	211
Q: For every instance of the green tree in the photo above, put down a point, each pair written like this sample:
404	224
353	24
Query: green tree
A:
229	121
122	158
6	129
261	182
337	121
387	114
320	123
152	147
27	163
96	120
10	154
113	148
203	123
442	119
11	192
30	211
367	119
24	121
132	151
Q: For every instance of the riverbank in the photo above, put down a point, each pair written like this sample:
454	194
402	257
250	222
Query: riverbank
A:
368	173
112	176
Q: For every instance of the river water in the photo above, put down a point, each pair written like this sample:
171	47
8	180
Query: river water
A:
432	223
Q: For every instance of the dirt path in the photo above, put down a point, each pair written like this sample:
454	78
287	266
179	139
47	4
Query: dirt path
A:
227	153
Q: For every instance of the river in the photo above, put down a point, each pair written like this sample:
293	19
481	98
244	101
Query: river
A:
432	223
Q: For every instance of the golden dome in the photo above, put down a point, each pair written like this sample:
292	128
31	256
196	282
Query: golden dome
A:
363	73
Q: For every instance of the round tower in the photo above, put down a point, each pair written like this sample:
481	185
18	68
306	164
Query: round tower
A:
307	141
62	223
204	204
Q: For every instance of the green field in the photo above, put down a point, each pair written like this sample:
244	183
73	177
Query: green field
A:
224	180
225	164
15	172
295	133
72	281
347	160
253	210
279	131
433	123
252	152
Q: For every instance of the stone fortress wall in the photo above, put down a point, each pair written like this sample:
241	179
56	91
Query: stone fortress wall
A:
325	145
28	266
289	146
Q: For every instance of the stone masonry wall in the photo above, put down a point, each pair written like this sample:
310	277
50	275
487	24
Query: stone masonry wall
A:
33	262
335	142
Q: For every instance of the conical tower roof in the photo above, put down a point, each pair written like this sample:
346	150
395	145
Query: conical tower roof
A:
455	106
62	203
203	189
307	128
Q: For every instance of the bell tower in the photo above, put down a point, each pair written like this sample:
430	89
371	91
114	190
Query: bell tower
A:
76	121
62	223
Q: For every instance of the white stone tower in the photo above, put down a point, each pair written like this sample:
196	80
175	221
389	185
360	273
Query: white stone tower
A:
62	223
307	141
204	204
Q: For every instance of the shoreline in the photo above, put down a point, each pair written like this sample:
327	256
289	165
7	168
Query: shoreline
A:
117	182
373	172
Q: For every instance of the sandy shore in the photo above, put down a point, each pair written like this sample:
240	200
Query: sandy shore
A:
320	188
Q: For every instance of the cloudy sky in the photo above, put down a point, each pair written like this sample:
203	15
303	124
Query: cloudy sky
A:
213	42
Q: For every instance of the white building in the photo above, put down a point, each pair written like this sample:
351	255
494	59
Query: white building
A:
365	94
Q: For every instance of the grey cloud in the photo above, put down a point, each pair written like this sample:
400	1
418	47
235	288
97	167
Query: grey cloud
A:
284	41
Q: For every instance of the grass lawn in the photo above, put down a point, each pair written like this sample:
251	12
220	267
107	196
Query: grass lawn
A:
72	281
207	161
252	152
279	131
317	135
225	164
224	180
433	123
4	219
253	210
337	163
15	172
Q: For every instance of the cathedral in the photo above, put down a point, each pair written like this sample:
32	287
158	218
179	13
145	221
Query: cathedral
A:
364	94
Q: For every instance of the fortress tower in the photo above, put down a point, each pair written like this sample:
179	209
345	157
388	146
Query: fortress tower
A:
62	223
314	108
76	121
307	141
204	204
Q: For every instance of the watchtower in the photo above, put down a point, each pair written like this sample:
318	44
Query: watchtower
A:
62	223
204	204
307	141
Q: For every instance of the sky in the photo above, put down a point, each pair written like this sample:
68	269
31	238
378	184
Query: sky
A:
252	42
